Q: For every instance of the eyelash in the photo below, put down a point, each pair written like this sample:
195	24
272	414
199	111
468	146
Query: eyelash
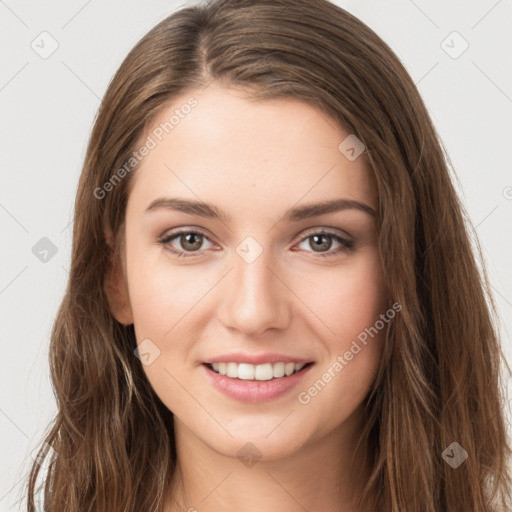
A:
346	245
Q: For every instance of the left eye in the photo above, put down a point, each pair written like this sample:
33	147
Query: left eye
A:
317	242
191	242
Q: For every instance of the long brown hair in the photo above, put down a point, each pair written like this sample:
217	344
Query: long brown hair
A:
439	381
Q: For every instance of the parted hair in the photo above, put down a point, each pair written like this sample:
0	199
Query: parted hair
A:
112	440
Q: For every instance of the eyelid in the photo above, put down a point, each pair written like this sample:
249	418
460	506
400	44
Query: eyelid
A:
346	238
184	229
303	234
328	231
167	236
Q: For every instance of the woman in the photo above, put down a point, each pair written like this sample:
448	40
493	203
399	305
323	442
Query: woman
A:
272	303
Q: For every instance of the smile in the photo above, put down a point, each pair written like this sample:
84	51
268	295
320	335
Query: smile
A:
266	371
253	388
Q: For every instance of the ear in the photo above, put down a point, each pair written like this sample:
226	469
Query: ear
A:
115	285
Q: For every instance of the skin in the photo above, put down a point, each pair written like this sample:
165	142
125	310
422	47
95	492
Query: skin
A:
255	160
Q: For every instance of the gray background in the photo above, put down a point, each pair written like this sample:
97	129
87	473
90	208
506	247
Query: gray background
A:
48	106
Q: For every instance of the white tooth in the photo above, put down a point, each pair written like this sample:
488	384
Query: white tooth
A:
232	370
246	371
264	372
278	370
289	368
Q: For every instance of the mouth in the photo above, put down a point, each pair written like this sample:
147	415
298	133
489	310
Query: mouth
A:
259	372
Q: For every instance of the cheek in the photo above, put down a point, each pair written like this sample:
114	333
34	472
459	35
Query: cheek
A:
352	309
168	306
161	296
162	301
346	300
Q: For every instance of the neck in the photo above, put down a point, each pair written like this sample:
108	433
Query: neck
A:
322	475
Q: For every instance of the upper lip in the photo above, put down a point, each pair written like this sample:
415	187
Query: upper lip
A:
261	358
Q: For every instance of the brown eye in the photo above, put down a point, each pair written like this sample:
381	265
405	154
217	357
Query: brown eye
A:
191	241
321	243
184	242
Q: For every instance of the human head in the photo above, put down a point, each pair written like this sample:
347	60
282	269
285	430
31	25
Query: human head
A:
343	69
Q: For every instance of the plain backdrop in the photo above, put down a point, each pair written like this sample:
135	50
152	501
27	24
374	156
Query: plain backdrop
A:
48	104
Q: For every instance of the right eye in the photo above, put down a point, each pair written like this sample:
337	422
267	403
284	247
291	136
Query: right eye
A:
190	241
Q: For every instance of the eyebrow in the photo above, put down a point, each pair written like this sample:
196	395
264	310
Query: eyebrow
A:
295	214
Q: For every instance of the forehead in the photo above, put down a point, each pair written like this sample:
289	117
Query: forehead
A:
246	155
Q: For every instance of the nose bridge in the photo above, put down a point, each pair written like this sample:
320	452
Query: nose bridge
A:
255	298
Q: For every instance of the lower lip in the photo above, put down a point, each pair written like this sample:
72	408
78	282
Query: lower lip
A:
255	390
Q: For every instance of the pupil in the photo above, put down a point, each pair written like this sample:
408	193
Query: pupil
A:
326	245
192	235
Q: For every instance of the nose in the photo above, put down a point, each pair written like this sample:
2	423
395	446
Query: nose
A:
256	297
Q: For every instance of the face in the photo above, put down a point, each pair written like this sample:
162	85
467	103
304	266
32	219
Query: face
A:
246	280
